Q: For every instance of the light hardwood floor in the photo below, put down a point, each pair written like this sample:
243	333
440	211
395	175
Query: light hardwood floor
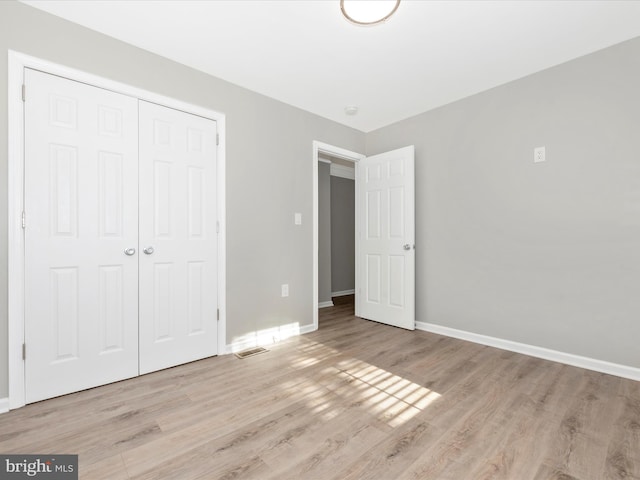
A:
354	400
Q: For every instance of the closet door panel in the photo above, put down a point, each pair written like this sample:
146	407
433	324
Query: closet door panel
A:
178	239
81	206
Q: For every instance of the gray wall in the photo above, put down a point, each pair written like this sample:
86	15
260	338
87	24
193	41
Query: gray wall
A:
269	166
546	254
343	259
324	233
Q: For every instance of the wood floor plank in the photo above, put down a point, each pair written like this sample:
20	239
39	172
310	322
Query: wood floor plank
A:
580	444
468	431
110	468
355	400
392	455
623	454
546	472
512	449
218	428
343	439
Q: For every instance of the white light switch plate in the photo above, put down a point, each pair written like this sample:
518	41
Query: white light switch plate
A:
285	290
298	218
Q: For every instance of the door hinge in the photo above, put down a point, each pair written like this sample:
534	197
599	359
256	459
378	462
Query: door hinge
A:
217	139
218	314
24	94
217	227
24	351
24	220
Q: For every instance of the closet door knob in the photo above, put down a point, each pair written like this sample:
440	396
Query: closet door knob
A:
148	250
130	251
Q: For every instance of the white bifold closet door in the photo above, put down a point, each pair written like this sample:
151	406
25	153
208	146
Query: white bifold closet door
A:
81	197
107	178
178	240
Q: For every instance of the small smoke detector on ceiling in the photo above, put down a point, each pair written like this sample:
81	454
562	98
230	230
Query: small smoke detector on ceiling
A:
351	110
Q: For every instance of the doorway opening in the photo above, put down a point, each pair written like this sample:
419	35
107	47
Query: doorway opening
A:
336	229
323	152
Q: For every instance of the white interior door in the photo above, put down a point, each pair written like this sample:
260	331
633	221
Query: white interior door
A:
178	239
385	279
81	205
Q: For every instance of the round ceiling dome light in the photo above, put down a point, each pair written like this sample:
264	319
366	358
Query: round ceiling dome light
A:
368	12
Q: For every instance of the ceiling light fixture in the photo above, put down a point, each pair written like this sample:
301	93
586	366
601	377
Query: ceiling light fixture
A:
368	12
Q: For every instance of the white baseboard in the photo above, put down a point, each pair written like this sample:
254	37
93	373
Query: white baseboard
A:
325	304
4	405
267	337
602	366
307	329
342	293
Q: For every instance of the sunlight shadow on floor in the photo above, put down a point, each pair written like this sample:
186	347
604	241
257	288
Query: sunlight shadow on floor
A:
389	397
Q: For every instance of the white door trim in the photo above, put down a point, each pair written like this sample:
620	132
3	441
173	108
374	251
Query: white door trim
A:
331	150
17	62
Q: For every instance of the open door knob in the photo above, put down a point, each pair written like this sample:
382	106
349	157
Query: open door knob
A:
407	246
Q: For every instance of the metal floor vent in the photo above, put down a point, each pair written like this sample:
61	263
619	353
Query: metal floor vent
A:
250	352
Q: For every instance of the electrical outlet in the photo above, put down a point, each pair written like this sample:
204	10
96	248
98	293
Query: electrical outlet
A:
285	289
539	155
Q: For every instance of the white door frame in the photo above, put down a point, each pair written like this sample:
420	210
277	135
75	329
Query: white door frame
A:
16	274
331	150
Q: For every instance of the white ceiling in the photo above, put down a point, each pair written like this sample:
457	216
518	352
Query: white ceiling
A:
304	53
